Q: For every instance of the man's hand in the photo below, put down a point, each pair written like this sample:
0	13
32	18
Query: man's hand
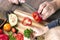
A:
16	1
46	9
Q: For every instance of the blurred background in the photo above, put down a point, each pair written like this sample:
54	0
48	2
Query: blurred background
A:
34	4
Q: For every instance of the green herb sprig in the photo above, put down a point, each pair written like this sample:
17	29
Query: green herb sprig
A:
27	33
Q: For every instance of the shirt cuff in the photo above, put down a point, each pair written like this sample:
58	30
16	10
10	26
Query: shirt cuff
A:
53	23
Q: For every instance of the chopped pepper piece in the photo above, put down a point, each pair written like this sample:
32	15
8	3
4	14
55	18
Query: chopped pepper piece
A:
27	21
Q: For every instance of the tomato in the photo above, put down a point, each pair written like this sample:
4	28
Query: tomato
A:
4	37
27	21
37	17
19	36
13	30
7	27
1	31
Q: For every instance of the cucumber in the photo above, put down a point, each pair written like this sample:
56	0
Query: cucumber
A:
13	19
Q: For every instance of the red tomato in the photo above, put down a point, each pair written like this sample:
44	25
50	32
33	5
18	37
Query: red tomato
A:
4	37
13	30
19	36
27	21
36	16
1	31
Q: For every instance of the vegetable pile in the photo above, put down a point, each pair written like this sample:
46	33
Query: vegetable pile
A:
13	19
9	31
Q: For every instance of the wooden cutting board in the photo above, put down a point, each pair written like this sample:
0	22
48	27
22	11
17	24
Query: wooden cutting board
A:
22	14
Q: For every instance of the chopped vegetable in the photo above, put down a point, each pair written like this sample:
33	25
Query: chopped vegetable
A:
4	37
13	19
37	17
1	31
13	30
11	37
19	36
27	33
27	21
7	27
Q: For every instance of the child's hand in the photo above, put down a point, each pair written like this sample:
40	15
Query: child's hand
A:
16	1
47	9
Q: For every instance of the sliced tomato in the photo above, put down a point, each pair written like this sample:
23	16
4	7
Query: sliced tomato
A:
36	16
19	36
27	21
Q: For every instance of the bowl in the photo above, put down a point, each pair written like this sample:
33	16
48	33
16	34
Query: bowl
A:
2	22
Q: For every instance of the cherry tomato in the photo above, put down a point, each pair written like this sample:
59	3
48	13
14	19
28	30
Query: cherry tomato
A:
37	17
19	36
1	31
13	30
27	21
4	37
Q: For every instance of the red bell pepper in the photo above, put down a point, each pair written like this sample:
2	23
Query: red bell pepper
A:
37	17
27	21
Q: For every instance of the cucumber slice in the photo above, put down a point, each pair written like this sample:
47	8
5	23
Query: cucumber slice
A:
13	19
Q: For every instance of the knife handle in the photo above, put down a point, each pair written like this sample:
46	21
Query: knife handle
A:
54	23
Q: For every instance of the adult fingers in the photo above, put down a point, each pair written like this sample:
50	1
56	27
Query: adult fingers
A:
48	11
41	7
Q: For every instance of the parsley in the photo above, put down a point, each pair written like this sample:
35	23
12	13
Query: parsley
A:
11	36
27	33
